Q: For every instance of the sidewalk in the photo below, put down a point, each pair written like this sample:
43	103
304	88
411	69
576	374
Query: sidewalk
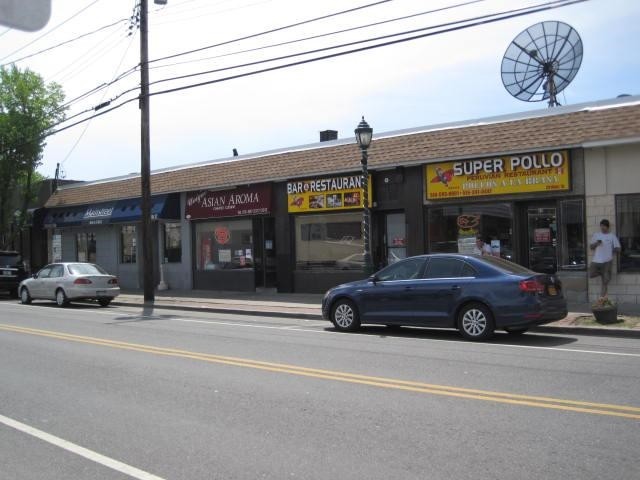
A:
307	306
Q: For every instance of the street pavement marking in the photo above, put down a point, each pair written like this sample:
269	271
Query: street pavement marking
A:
296	328
78	450
382	382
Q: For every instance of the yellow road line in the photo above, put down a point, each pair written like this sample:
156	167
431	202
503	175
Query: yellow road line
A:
381	382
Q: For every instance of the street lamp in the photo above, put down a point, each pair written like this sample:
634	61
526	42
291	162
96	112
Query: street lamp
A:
363	136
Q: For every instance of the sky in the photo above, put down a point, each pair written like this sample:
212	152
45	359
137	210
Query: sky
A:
449	77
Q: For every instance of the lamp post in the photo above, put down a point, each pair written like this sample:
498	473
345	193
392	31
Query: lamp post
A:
364	134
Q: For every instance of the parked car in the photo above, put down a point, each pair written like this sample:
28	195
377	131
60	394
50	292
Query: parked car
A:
65	282
474	294
12	272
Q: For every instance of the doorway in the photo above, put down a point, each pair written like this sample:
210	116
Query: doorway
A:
265	252
542	238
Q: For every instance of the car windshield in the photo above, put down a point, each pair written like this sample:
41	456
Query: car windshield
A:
506	265
10	260
86	269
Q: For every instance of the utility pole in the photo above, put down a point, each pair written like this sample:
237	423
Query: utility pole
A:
145	156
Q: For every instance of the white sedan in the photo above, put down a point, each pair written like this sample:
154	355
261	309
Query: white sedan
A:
64	282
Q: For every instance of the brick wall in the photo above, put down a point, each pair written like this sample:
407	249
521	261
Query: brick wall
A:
624	287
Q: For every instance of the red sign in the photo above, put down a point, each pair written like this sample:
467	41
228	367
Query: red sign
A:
542	235
241	201
222	235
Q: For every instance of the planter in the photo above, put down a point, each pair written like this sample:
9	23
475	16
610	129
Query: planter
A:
605	315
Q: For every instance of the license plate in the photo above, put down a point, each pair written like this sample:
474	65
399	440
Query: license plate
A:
101	293
552	290
7	272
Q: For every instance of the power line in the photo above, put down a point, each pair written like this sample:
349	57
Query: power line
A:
49	31
278	29
66	42
475	21
86	127
205	14
481	20
314	37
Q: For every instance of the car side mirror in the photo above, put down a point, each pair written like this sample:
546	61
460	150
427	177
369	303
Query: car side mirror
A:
373	278
35	275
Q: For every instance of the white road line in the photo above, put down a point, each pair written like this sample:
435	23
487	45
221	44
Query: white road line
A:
295	328
78	450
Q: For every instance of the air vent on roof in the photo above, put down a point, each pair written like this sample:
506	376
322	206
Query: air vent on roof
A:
328	135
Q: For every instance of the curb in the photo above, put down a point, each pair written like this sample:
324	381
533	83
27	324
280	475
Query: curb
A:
597	332
601	332
232	311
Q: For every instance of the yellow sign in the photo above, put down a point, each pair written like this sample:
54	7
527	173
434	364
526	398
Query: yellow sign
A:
326	194
532	172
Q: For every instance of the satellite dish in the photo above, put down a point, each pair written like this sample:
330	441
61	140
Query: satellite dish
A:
541	61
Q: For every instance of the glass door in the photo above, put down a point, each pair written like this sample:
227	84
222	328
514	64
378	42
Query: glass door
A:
395	237
542	238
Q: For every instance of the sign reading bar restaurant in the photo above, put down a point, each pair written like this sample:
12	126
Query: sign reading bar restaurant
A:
251	200
532	172
326	194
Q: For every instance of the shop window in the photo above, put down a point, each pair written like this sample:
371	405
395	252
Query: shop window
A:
56	246
628	231
86	247
172	243
329	242
454	229
224	245
573	252
128	244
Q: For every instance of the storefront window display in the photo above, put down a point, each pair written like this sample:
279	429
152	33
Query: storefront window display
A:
172	243
329	242
454	229
395	237
628	229
224	245
86	247
128	244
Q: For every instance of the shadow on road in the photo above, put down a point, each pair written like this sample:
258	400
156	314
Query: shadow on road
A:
528	339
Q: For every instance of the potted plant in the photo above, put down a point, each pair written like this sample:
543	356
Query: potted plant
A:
605	311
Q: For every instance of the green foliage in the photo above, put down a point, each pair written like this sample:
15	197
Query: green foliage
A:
29	108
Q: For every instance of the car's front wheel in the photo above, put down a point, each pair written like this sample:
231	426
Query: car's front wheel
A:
25	298
475	322
344	316
61	298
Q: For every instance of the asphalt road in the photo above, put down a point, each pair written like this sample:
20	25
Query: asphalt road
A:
116	393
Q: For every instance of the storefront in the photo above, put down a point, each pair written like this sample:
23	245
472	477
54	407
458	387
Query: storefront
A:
326	218
233	236
528	208
107	233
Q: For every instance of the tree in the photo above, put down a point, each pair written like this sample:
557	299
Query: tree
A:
29	108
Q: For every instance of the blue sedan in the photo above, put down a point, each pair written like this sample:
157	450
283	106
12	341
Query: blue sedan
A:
474	294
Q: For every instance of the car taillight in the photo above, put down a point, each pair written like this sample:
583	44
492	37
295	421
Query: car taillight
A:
82	281
113	281
531	286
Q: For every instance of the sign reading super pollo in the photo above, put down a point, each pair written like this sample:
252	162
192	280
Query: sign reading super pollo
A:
533	172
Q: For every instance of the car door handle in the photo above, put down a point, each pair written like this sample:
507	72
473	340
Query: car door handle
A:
455	287
408	287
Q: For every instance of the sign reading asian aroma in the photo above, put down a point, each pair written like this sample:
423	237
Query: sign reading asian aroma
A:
532	172
326	194
251	200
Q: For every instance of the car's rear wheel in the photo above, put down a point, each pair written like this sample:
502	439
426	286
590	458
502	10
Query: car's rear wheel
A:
516	330
104	302
475	322
344	316
61	298
25	298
